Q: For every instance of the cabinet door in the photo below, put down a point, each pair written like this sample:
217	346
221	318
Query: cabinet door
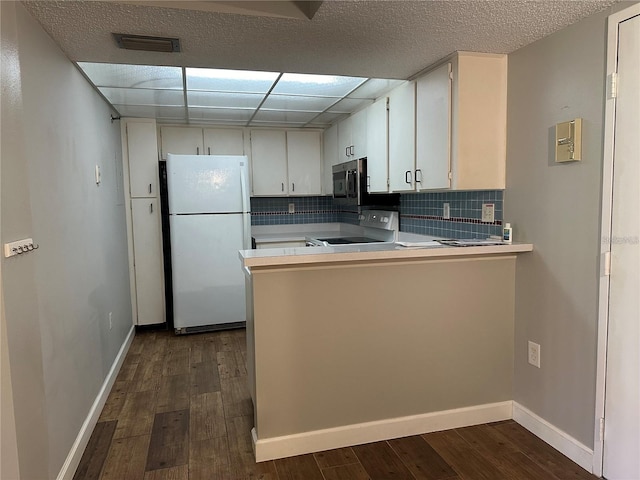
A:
402	152
142	153
330	157
377	147
359	134
181	141
304	162
147	251
223	141
344	140
433	129
269	162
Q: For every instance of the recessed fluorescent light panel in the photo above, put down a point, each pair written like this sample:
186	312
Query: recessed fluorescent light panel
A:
232	97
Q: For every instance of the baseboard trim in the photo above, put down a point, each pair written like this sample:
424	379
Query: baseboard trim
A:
77	449
326	439
561	441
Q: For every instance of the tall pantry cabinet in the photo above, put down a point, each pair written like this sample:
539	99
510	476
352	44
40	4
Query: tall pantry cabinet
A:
144	229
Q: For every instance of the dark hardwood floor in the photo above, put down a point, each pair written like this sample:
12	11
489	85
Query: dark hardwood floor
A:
180	409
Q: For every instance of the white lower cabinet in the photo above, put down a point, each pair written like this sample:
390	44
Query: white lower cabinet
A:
148	267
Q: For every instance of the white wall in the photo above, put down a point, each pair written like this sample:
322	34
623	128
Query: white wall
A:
55	129
557	208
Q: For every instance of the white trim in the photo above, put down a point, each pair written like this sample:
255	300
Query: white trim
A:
605	232
77	449
326	439
561	441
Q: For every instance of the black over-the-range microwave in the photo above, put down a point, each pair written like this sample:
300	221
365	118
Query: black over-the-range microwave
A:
351	187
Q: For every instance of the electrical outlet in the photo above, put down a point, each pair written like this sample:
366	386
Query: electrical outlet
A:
292	208
110	320
488	210
446	211
534	354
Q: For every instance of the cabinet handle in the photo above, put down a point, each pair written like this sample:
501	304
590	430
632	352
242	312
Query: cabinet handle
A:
151	208
368	182
407	177
418	181
293	187
351	150
208	150
282	186
346	151
197	150
149	188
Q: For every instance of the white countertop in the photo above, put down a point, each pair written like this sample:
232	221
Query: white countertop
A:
368	252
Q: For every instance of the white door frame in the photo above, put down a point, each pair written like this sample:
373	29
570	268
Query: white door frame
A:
605	230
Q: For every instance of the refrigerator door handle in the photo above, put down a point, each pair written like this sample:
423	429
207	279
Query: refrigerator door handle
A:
246	215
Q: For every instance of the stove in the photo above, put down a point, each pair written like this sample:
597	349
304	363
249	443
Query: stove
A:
378	226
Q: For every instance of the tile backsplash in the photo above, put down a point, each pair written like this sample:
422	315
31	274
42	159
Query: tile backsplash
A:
419	212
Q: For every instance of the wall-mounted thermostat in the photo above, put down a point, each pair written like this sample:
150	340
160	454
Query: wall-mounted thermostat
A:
569	141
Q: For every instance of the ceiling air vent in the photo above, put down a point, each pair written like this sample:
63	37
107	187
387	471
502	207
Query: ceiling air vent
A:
148	44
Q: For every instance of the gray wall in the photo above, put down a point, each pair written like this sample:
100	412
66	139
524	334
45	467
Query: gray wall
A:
55	129
557	208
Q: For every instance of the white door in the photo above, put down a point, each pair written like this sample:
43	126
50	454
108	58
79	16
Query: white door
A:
147	251
142	150
207	184
304	162
269	162
207	276
433	129
345	128
377	147
359	134
181	141
622	401
402	145
223	141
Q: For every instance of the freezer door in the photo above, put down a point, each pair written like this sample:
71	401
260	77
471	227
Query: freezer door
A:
208	281
207	184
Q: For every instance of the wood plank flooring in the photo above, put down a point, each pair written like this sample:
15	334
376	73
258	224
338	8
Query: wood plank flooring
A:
180	410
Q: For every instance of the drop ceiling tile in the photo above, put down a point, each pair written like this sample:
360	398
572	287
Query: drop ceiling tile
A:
350	105
325	85
215	80
329	117
143	96
150	111
375	87
299	102
284	116
220	114
133	76
223	99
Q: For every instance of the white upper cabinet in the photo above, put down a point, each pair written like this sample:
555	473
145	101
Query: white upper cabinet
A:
181	141
142	157
479	121
352	137
402	150
433	129
269	162
223	141
304	162
377	147
329	157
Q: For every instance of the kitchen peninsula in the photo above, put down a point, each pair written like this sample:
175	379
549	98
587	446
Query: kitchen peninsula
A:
355	344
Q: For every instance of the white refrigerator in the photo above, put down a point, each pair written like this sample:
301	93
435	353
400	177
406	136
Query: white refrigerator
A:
209	221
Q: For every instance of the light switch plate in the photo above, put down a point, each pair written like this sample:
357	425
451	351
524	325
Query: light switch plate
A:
292	208
488	212
446	211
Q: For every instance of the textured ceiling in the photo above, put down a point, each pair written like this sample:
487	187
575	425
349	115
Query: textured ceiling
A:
384	39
